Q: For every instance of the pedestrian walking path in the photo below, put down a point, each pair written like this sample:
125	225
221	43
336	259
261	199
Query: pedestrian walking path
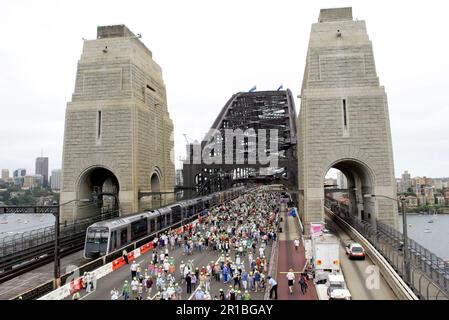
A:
290	258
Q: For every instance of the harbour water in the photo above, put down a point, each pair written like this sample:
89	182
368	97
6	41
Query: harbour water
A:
11	224
432	232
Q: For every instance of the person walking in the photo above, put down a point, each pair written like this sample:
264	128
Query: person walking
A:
199	295
303	284
148	283
126	290
134	287
125	256
257	279
246	295
181	271
273	287
88	281
193	281
133	269
114	294
189	283
76	296
245	279
178	291
291	280
93	281
222	295
296	244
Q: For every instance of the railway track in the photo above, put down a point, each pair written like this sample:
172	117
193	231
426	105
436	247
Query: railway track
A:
19	264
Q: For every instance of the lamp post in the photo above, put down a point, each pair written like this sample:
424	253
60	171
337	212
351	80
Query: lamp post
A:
402	201
57	257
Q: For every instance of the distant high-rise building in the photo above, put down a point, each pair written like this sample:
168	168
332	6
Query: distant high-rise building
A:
342	182
33	181
5	174
406	181
438	183
42	169
55	180
179	180
18	181
19	173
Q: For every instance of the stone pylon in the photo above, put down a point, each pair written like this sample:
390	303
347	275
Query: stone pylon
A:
118	133
343	121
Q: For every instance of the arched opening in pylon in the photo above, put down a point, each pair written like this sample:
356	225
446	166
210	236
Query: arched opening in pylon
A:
101	187
349	181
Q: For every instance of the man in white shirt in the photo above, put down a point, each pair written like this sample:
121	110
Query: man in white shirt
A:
296	244
134	287
133	269
181	270
274	287
291	280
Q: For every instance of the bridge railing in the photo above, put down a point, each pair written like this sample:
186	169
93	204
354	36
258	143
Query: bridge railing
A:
32	238
16	249
430	275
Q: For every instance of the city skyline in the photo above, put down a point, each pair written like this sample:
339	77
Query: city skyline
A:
210	55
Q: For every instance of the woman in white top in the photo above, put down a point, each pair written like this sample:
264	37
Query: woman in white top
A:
291	280
114	294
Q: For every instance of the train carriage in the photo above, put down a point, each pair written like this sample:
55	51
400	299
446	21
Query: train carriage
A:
107	236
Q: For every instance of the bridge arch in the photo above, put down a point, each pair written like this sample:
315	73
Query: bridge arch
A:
96	180
361	180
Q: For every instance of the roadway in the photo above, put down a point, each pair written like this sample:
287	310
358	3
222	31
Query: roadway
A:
360	274
116	278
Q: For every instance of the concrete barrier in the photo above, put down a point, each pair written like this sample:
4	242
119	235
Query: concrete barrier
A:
399	287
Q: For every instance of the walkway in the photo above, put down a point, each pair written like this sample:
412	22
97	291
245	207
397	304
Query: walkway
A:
290	258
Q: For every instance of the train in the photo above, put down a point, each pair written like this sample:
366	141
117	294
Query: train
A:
110	235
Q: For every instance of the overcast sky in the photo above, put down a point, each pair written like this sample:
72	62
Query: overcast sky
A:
209	50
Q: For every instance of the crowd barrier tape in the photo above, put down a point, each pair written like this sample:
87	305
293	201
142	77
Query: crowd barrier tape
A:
118	263
131	256
146	247
136	253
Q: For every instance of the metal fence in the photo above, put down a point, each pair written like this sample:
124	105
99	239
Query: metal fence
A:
38	237
429	277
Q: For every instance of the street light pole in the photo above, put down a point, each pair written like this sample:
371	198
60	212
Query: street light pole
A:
406	262
57	256
57	264
404	233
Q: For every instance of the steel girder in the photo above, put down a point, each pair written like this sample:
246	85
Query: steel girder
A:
245	110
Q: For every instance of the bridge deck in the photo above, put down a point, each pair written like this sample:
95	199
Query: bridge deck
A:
290	258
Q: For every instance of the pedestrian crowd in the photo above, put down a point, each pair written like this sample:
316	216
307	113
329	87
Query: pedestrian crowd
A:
238	232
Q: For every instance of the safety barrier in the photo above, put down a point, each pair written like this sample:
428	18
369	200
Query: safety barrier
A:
115	259
77	284
397	284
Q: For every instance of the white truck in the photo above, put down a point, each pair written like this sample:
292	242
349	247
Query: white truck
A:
325	256
328	277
